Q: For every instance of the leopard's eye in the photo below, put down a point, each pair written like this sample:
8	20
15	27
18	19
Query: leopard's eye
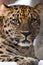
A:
33	20
16	21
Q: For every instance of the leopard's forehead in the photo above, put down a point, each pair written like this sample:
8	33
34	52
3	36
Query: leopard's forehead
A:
21	10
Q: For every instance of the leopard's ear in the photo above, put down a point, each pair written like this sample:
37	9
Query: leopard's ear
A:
39	7
4	7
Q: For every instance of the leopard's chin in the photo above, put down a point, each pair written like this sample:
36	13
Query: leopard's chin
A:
26	44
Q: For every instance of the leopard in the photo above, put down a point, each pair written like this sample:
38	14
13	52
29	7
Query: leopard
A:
19	26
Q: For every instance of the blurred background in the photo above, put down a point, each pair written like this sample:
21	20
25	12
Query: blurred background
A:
17	1
6	1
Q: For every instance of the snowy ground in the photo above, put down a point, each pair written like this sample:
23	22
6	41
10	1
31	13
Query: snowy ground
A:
8	63
25	2
41	62
14	63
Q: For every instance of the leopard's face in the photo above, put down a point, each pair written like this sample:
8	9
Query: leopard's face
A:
21	24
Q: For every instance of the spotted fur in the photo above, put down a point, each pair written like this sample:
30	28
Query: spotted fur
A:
19	26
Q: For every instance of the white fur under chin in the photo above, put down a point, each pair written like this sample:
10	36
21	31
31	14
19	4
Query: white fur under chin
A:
24	44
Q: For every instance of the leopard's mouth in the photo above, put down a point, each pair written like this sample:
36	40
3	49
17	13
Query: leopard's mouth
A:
23	42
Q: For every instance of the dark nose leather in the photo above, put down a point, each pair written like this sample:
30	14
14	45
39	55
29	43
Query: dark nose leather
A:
26	33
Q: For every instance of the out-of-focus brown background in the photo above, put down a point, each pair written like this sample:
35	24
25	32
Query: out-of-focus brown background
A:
4	1
7	1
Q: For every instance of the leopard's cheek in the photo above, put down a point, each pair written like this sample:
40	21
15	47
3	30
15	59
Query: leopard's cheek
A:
20	37
35	25
36	28
31	37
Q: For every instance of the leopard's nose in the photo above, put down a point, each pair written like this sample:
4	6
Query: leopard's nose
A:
26	33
